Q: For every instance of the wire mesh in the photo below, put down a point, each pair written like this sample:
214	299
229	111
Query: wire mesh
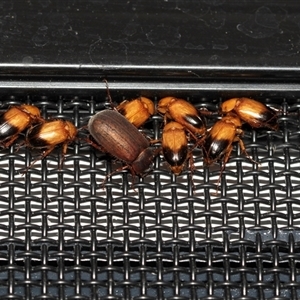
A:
77	233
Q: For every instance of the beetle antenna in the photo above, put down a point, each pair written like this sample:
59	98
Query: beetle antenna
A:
108	94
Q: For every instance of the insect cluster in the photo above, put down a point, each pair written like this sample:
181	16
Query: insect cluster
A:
40	133
116	131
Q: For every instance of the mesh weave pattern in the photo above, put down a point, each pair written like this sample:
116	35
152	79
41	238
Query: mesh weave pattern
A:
76	233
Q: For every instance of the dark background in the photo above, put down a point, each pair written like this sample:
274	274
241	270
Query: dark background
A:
212	38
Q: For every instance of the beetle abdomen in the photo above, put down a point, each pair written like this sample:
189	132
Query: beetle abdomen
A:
216	148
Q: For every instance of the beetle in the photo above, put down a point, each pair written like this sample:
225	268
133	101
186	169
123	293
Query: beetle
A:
121	139
218	143
175	146
184	113
137	111
15	120
47	135
255	113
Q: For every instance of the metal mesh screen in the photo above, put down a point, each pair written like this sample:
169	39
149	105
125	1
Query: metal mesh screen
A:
68	234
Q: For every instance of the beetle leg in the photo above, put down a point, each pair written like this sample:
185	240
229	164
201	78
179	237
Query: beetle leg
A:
95	145
275	127
37	119
10	141
165	119
224	162
154	141
63	154
117	171
84	127
194	137
199	142
226	158
157	151
190	160
243	148
20	145
45	153
111	174
191	164
205	112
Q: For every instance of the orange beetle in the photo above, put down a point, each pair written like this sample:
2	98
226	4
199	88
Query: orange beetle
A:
137	111
49	134
15	120
255	113
175	146
184	113
218	142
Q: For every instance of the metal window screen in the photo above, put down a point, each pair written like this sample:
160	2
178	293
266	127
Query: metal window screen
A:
67	234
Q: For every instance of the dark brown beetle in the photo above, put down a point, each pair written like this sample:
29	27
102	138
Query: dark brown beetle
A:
15	120
47	135
118	137
255	113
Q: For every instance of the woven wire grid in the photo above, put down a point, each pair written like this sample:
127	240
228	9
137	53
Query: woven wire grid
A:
77	233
